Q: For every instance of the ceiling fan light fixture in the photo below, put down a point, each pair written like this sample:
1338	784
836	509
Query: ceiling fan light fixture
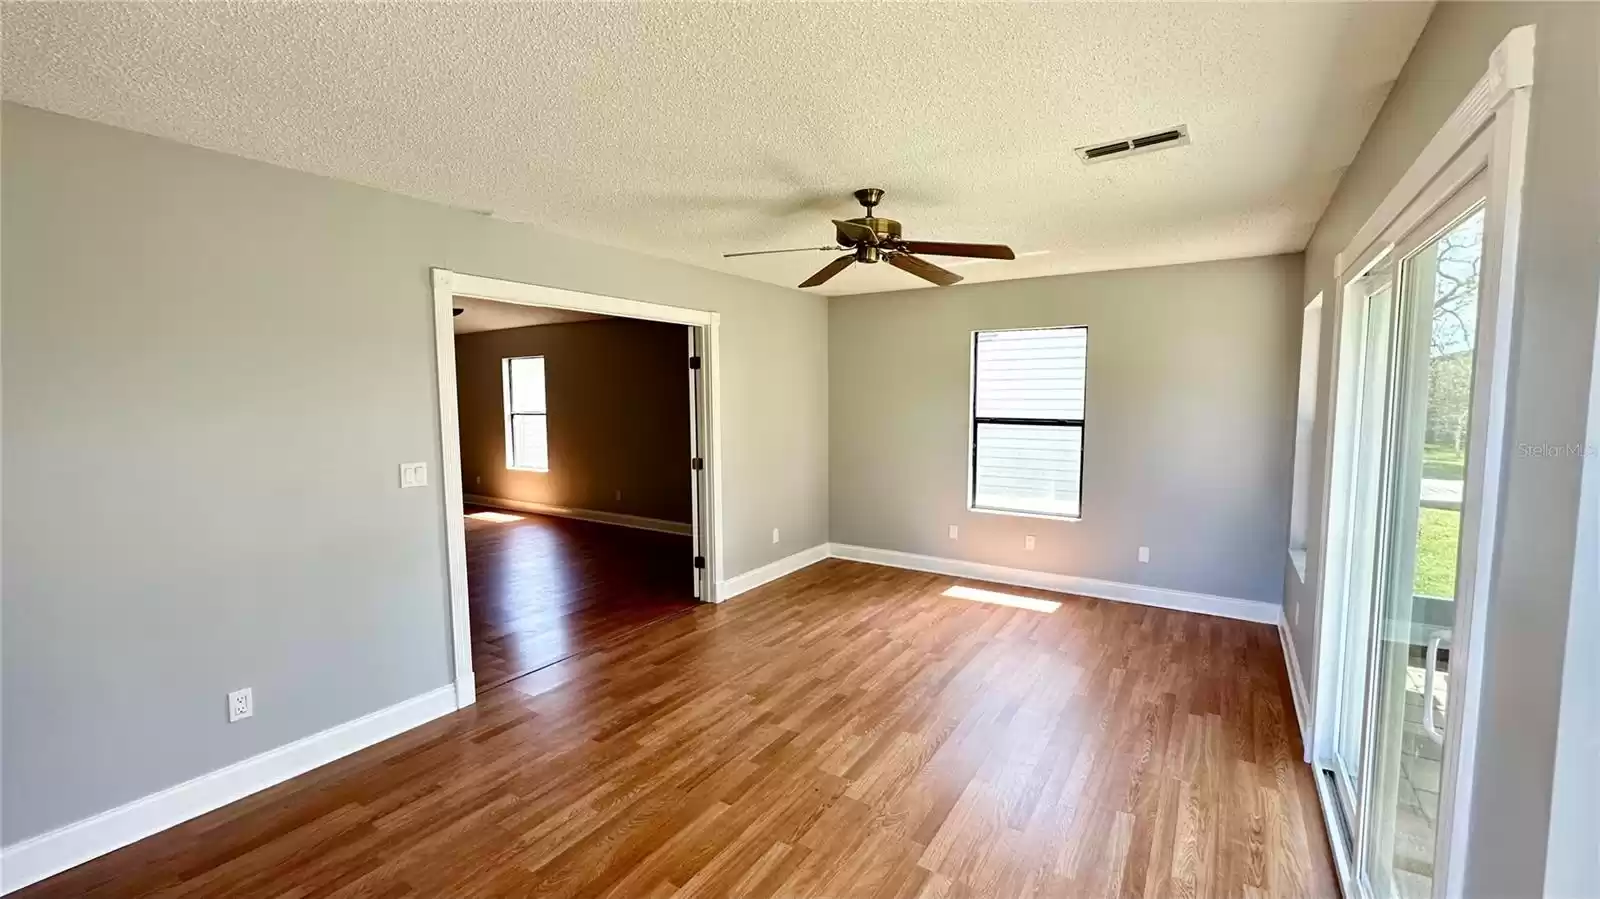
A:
871	239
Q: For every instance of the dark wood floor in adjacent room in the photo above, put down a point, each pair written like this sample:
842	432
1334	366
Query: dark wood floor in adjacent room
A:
850	732
542	588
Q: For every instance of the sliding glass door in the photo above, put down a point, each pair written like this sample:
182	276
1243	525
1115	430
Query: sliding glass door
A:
1372	298
1437	318
1416	314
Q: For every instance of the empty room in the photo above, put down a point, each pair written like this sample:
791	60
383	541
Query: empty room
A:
787	450
576	435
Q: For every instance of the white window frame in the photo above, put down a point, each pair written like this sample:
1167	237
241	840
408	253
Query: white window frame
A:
973	420
1304	424
1486	134
509	415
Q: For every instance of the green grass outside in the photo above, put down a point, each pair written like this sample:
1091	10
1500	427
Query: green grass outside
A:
1443	462
1438	537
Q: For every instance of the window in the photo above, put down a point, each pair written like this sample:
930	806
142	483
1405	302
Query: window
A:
1305	418
526	445
1027	420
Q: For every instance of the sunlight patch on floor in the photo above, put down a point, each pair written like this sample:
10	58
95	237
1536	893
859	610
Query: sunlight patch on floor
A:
996	598
496	517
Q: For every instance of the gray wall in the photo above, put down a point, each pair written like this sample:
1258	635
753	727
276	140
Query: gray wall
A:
617	395
1554	343
1189	423
212	368
1573	856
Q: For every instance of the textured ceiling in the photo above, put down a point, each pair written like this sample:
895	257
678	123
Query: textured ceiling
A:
689	130
487	315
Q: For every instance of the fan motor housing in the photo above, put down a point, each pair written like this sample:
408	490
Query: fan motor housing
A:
886	229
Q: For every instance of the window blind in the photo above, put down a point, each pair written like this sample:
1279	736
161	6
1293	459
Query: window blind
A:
1028	420
527	443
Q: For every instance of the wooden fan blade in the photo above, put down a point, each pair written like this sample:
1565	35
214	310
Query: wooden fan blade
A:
923	269
857	233
766	252
829	270
944	248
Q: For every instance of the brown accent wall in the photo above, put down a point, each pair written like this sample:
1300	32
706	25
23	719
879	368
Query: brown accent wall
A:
618	404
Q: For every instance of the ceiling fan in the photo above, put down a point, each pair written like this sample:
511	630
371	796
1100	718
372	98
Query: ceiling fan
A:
870	239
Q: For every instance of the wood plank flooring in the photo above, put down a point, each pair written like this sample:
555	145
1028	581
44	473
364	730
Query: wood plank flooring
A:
848	731
542	588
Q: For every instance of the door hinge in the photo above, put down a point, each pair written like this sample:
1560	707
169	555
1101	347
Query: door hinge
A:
697	464
694	362
699	561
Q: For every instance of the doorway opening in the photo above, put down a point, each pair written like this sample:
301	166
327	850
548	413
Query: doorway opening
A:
578	461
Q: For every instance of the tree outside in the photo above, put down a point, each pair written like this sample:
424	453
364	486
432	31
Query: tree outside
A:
1455	310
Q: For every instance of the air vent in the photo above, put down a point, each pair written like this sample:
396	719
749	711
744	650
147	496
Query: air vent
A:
1128	146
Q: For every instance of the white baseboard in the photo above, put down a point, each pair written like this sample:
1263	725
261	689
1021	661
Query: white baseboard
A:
617	518
742	583
1181	600
1296	686
50	853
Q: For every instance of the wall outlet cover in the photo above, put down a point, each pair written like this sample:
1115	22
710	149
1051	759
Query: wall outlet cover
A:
1028	542
241	705
954	532
774	535
1144	553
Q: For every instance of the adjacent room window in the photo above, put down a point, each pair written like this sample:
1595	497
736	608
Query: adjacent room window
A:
1305	418
527	447
1027	420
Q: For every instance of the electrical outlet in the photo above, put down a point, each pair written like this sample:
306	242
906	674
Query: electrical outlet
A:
1027	542
1144	553
413	474
954	532
619	496
774	535
241	705
1294	614
478	481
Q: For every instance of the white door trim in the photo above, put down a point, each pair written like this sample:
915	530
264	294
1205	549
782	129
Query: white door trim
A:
446	286
1510	70
1487	132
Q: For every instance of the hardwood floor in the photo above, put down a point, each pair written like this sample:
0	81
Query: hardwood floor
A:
848	731
542	588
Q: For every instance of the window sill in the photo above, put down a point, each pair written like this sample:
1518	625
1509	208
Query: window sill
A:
1297	557
525	468
1046	516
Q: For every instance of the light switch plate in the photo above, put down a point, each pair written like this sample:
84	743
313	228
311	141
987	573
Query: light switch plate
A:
413	474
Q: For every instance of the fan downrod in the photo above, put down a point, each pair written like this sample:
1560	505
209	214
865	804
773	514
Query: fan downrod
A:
869	197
